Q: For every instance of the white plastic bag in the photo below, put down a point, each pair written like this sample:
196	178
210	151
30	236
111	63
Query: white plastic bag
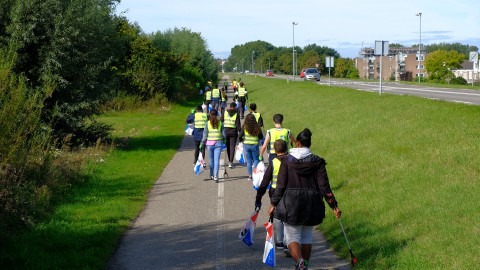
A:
257	176
246	233
269	251
199	169
239	154
189	129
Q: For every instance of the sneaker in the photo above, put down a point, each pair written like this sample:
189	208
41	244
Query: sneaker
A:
249	178
204	165
287	252
279	246
211	177
230	165
215	178
300	265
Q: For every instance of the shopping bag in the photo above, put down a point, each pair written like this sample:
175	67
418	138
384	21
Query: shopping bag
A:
246	233
189	129
198	169
239	154
245	108
257	175
269	251
224	146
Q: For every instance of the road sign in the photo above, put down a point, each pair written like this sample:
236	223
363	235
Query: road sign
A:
473	56
381	47
329	61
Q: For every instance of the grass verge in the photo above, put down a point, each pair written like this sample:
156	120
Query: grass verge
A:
83	231
404	170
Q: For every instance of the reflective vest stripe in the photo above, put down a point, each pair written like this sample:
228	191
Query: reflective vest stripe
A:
241	92
214	134
257	116
208	95
249	139
276	168
229	122
278	134
200	119
215	93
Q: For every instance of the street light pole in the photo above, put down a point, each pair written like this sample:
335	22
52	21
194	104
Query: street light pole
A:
269	63
293	50
420	49
253	52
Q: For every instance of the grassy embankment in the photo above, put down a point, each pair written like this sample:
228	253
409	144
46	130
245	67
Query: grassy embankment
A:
405	170
83	231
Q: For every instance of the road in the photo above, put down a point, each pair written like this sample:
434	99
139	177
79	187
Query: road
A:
466	96
191	222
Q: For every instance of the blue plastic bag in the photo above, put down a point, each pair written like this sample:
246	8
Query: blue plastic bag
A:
269	251
199	165
246	233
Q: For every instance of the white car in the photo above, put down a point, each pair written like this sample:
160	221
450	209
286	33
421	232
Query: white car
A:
312	74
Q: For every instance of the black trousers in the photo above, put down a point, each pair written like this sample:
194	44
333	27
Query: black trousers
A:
197	151
241	107
231	142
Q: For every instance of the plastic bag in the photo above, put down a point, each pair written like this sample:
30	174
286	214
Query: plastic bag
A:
269	251
224	146
189	129
199	169
257	175
246	233
239	154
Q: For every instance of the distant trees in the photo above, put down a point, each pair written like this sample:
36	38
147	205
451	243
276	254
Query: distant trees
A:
439	64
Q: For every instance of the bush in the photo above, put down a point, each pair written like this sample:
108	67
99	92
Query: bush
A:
458	80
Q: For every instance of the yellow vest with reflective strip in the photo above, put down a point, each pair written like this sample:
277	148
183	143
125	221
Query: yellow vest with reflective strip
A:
249	139
200	119
278	134
229	122
208	95
276	168
216	93
214	134
257	116
234	84
241	92
224	98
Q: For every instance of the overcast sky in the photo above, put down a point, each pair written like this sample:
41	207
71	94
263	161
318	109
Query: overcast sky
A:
340	24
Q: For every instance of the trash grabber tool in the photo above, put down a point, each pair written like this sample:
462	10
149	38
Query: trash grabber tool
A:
353	258
225	174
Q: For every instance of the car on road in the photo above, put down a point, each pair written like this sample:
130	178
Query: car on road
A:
269	73
311	74
247	71
302	74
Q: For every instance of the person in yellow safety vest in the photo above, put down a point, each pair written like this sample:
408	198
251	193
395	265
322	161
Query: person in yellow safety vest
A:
213	138
208	98
270	180
258	116
198	119
251	135
215	97
274	134
234	85
223	101
232	127
241	97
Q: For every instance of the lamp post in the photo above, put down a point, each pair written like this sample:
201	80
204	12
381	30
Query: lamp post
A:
253	52
293	50
269	63
420	48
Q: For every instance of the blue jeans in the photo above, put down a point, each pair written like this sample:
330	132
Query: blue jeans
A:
251	155
214	152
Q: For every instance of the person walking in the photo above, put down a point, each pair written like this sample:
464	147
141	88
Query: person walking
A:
198	118
258	116
234	85
215	97
273	134
232	126
241	96
208	97
302	185
270	181
223	101
225	86
250	135
213	139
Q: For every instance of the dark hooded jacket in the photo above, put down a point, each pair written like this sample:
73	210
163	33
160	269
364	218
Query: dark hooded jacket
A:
302	183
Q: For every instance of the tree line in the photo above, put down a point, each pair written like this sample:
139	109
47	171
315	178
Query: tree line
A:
61	62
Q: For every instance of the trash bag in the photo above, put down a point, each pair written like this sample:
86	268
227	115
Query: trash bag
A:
246	233
199	169
224	146
269	251
239	154
189	129
257	175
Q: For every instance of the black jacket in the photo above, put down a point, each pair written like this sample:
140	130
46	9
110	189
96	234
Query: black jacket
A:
301	187
267	179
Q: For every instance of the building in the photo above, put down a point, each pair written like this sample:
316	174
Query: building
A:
399	64
469	71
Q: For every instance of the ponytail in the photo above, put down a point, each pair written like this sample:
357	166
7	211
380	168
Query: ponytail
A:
305	138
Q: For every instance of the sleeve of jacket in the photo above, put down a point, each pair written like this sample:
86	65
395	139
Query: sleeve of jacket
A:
190	118
324	185
260	121
238	124
205	133
282	181
242	134
267	178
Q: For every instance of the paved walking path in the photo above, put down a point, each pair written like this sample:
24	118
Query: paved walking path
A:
191	222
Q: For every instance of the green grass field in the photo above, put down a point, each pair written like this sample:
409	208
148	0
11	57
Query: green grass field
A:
405	170
84	230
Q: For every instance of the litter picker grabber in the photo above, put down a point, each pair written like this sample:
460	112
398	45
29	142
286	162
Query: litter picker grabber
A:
225	174
353	258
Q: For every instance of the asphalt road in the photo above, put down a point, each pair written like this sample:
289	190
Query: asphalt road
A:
191	222
466	96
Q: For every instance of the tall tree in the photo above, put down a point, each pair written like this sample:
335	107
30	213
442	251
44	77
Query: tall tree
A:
439	64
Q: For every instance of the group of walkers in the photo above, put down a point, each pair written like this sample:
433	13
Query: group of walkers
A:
297	179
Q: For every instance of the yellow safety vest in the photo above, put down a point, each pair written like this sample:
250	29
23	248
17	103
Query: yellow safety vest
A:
241	92
229	122
224	98
249	139
276	134
234	84
216	93
276	168
214	134
208	95
257	116
200	119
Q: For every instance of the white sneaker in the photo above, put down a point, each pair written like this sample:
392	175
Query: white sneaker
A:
215	178
230	165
